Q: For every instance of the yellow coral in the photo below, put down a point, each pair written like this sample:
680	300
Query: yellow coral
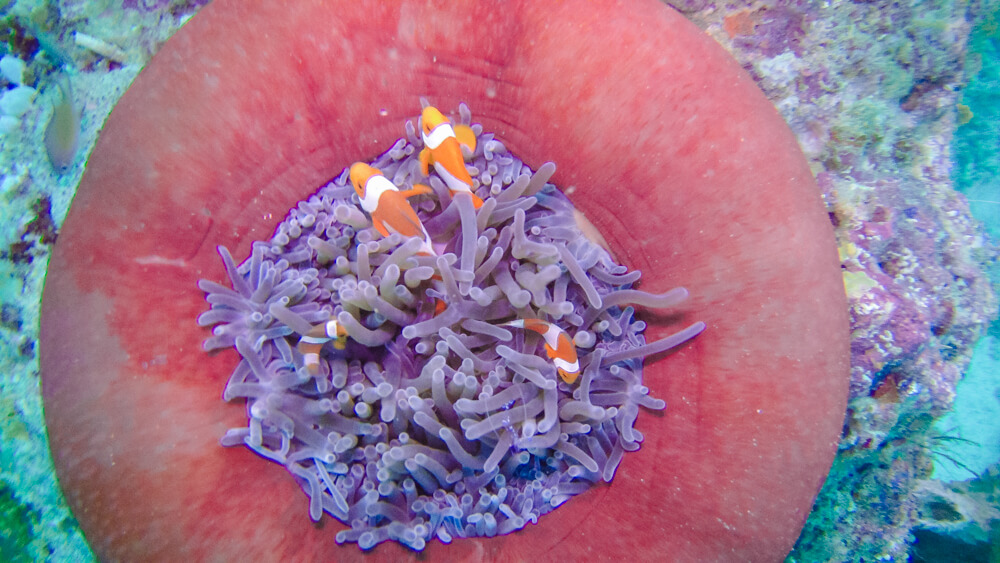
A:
857	284
847	251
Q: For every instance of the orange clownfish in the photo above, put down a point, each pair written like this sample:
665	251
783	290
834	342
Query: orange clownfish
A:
443	148
312	342
387	205
558	345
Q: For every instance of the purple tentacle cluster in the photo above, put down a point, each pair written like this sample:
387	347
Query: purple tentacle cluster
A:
430	422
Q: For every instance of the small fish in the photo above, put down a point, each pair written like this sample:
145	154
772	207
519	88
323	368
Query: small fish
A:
311	344
443	145
558	345
388	206
62	134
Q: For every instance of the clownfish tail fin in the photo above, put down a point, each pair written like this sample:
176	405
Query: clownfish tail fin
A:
466	138
477	202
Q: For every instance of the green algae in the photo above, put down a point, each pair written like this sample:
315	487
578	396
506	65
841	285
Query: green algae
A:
17	524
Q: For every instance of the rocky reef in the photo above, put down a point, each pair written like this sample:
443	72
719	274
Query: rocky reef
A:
873	92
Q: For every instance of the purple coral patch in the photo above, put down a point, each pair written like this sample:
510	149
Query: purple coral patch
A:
435	423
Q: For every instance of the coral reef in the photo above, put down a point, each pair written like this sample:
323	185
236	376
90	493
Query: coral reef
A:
17	97
958	521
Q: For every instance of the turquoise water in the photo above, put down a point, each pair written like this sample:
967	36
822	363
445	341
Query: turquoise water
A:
963	443
977	142
977	175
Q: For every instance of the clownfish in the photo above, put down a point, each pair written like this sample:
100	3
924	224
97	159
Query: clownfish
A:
443	148
558	345
387	205
439	306
312	342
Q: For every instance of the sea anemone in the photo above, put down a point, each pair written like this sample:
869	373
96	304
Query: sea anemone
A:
662	140
437	422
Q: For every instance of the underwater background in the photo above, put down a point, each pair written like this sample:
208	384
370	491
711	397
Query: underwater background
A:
896	106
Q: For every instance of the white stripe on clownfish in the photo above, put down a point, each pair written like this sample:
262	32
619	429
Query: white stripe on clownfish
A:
438	135
443	148
374	188
312	342
558	345
388	206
